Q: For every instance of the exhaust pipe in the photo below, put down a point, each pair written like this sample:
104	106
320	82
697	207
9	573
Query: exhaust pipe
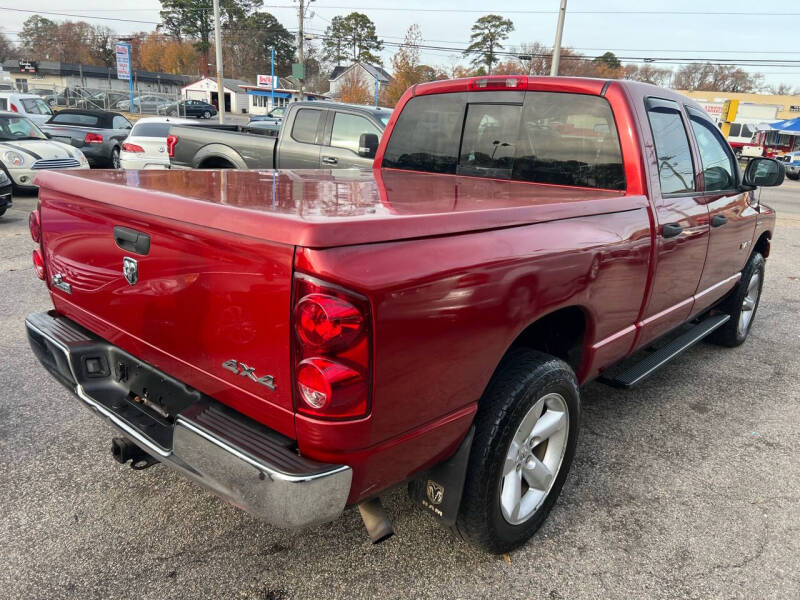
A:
377	522
125	450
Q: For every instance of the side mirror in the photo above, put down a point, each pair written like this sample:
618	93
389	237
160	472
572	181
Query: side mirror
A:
764	172
368	145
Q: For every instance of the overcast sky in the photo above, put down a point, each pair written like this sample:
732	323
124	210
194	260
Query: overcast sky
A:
771	30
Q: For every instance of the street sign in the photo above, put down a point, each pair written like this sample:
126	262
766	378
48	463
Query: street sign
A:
28	66
123	53
267	81
729	110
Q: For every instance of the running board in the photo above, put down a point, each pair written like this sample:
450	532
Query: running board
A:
647	366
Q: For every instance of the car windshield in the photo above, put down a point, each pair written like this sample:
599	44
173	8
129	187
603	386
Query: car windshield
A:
36	106
19	128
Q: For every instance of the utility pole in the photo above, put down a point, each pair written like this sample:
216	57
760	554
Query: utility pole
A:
218	48
557	46
301	13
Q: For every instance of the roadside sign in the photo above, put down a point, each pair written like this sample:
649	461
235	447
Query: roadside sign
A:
123	53
267	81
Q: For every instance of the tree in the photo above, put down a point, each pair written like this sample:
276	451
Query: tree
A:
647	74
7	49
249	45
193	19
406	67
102	46
609	59
486	39
717	78
352	36
353	90
38	38
782	89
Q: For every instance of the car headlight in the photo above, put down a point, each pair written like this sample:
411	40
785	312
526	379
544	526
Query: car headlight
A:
14	159
80	156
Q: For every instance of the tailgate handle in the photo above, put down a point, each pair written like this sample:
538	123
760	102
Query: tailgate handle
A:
132	240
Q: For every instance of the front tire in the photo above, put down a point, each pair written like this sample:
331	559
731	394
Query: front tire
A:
526	431
207	114
793	177
742	304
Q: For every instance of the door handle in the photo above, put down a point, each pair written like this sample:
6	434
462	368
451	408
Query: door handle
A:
718	220
671	230
132	240
329	160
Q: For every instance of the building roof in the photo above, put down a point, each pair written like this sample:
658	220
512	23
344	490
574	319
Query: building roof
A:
50	67
228	83
374	70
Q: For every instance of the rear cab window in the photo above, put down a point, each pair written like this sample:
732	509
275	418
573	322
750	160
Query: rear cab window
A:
36	106
550	137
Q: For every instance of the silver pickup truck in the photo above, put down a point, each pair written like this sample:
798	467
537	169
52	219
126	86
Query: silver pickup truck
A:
313	135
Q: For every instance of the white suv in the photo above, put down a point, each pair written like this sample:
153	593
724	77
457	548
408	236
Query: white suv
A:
29	105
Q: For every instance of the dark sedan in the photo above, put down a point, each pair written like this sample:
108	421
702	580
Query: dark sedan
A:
189	108
98	133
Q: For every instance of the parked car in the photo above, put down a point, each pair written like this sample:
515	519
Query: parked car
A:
146	104
275	115
5	192
25	150
30	105
792	163
101	100
146	145
302	340
98	133
314	135
189	108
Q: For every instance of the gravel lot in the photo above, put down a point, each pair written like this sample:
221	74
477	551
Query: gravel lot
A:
688	486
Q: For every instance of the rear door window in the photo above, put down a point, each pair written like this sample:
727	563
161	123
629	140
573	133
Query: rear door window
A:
674	156
306	124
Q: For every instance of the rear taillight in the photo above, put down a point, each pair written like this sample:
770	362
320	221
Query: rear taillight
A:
38	263
13	107
172	141
332	350
93	138
127	147
35	225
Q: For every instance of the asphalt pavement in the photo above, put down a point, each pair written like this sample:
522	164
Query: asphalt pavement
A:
685	487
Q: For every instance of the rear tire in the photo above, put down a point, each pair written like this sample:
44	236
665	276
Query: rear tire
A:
526	430
207	114
3	211
115	162
742	304
793	177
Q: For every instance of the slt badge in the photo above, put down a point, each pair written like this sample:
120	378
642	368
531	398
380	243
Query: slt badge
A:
130	268
242	369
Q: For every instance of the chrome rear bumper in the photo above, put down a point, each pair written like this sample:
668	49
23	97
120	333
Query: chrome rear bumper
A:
247	464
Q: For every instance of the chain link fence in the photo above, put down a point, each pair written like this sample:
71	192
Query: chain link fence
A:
145	102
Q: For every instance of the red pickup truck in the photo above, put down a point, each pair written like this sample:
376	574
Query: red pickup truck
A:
301	341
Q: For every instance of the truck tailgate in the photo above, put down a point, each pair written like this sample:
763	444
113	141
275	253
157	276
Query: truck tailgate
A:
202	297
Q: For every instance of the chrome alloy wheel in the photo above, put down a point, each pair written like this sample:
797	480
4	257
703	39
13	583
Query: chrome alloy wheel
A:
749	304
534	458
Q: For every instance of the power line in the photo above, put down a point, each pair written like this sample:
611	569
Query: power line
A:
550	12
